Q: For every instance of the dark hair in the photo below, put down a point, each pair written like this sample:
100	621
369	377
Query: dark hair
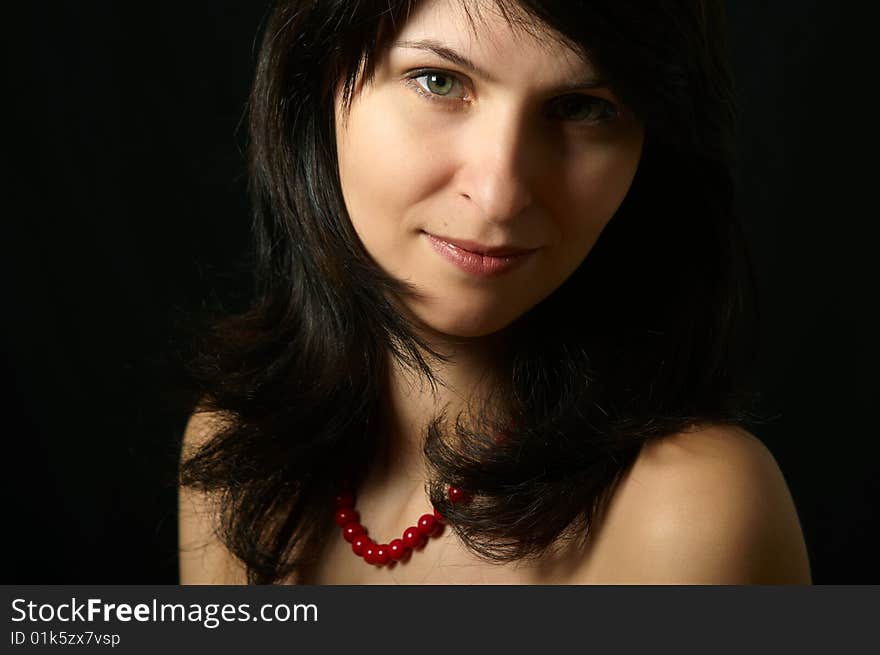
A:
646	338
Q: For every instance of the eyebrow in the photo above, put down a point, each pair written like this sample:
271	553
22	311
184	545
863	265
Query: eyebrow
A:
447	53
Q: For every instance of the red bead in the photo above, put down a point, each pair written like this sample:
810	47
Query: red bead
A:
427	524
415	537
360	543
397	550
346	515
345	499
352	530
382	555
457	495
412	538
370	553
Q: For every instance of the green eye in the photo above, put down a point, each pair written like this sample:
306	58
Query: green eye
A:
579	107
439	83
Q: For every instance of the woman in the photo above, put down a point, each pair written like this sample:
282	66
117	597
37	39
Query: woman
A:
500	309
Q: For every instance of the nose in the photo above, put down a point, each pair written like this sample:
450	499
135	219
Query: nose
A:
495	168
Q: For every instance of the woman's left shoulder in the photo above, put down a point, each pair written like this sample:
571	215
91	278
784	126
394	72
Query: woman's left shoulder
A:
705	506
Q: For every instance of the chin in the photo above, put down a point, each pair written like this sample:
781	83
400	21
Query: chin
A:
466	330
455	323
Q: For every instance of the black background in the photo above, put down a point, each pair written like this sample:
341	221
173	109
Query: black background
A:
124	204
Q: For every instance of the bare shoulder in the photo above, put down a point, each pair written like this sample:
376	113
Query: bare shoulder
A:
203	558
708	506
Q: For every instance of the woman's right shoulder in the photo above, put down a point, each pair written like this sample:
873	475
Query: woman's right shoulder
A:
203	558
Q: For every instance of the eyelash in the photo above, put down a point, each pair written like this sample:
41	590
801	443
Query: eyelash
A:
607	107
421	90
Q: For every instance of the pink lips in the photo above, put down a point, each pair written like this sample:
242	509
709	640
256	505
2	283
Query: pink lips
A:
477	259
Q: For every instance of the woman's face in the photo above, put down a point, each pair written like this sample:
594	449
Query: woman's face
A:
482	170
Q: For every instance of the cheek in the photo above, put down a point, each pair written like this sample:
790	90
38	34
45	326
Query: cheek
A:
594	187
386	169
385	155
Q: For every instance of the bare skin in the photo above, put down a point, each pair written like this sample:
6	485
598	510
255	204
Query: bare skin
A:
483	154
473	155
705	507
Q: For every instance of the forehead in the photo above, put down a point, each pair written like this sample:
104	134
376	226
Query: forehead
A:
494	33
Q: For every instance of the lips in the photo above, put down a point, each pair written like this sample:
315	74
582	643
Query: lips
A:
478	259
481	249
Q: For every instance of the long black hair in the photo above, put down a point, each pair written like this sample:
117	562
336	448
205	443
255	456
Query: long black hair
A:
648	337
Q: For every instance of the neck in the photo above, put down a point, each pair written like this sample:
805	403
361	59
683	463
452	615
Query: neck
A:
410	403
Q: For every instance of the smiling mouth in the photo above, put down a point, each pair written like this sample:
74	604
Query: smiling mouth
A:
482	261
481	249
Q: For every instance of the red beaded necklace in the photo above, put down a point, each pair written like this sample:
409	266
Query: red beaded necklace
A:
379	554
